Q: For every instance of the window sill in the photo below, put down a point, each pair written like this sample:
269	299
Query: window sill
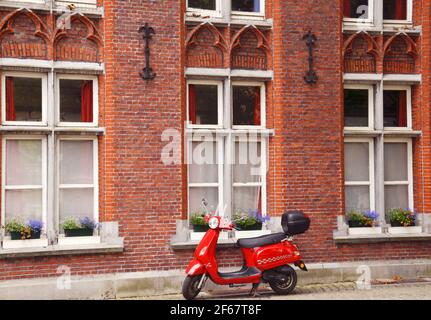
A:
235	20
378	238
57	250
87	10
49	130
386	133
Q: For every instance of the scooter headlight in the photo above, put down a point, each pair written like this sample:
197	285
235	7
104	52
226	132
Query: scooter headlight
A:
213	223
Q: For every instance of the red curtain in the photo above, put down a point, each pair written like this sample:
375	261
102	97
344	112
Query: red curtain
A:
347	8
257	107
192	103
402	109
10	100
87	101
400	9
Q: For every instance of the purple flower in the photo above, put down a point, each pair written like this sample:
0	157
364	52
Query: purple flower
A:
35	225
88	223
371	214
256	214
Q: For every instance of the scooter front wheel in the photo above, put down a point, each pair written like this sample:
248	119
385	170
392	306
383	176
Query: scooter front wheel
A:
191	287
287	286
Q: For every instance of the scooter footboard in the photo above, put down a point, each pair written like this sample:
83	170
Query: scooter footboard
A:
195	268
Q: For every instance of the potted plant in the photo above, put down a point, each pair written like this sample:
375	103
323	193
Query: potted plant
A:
403	221
363	222
249	224
21	231
83	228
197	220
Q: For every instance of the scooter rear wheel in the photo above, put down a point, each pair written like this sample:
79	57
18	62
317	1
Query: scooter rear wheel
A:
287	286
191	287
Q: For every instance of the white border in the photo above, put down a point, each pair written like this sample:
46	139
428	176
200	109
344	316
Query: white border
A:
371	164
219	85
408	89
43	185
212	13
43	77
262	104
370	89
94	185
362	22
59	77
409	182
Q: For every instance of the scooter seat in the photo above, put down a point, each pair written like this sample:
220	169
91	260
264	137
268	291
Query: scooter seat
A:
261	241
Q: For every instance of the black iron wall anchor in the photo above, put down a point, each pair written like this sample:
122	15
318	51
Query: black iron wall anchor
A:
147	73
310	40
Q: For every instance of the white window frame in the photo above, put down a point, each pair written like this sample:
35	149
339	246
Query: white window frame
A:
370	89
263	170
212	13
409	20
262	104
250	15
371	158
44	176
94	185
408	89
44	78
220	171
367	22
78	3
220	95
95	100
409	182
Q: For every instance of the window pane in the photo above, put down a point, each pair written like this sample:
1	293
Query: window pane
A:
356	105
76	162
202	4
23	162
246	5
356	161
23	99
356	9
395	108
247	166
197	194
246	105
246	198
203	104
204	167
357	198
396	162
396	197
23	204
76	100
76	203
395	9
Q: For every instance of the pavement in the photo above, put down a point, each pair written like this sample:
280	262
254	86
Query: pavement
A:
382	289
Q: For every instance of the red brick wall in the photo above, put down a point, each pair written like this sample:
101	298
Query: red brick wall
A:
306	155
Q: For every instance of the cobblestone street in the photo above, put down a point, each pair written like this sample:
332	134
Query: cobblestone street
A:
337	291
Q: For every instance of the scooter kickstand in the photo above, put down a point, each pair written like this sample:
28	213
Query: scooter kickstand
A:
253	292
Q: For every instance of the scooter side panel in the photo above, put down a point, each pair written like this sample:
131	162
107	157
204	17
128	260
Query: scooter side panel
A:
195	268
270	257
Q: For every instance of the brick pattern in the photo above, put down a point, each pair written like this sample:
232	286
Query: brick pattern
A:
360	55
25	34
399	57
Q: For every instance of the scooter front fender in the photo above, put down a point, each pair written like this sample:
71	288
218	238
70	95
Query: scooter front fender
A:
195	268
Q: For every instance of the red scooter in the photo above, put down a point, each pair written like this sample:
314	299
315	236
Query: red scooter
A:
266	258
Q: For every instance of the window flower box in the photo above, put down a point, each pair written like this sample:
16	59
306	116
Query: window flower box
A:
8	243
405	230
365	231
69	241
197	236
251	233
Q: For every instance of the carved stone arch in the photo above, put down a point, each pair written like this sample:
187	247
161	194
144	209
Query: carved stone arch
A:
249	49
400	54
205	47
360	53
80	42
17	38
